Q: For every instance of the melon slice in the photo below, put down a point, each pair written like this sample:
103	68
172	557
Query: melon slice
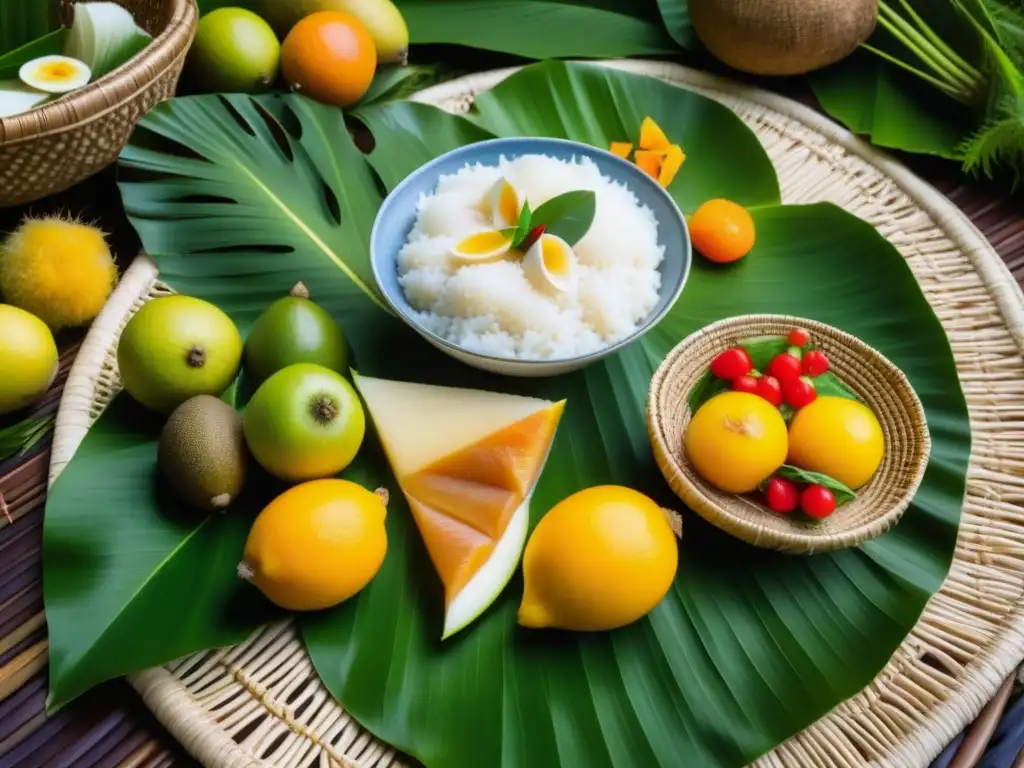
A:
467	462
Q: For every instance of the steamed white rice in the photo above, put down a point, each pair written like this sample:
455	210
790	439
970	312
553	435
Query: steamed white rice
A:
493	308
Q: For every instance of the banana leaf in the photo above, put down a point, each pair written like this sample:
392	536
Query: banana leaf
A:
238	197
23	21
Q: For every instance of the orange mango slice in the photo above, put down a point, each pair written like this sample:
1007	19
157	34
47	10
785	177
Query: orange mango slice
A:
649	162
652	137
671	163
621	148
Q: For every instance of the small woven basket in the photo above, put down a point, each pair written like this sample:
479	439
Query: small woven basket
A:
880	384
48	149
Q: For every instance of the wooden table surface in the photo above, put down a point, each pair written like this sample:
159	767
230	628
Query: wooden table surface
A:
110	726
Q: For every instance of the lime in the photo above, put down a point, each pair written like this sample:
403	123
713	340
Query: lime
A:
235	51
29	358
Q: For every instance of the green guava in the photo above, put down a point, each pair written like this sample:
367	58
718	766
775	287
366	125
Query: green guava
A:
235	51
293	330
304	423
177	347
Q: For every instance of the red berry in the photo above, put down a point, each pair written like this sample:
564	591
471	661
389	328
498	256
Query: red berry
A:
782	495
814	363
798	337
799	392
786	365
745	383
768	388
732	364
817	501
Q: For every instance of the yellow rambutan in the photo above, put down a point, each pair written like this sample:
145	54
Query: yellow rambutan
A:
59	269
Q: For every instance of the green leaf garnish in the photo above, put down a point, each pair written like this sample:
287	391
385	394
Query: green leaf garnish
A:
524	227
20	438
568	216
797	475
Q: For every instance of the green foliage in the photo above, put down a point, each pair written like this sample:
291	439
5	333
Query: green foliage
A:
23	21
238	198
21	437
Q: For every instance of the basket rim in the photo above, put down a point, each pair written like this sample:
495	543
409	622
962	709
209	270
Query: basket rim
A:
798	540
173	42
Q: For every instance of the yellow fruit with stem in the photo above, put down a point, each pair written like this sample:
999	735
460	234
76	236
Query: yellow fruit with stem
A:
736	441
317	544
600	559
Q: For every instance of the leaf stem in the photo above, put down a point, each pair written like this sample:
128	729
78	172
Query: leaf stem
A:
937	41
919	45
959	94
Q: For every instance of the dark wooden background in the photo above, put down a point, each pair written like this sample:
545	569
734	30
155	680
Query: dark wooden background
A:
109	726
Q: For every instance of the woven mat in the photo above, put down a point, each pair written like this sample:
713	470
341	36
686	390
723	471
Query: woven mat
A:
260	703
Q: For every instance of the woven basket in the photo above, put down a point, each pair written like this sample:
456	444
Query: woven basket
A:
869	375
261	705
46	150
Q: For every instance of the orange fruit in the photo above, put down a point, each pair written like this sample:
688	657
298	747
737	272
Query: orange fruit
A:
722	231
330	56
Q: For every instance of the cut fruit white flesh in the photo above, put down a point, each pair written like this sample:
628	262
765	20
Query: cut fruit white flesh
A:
492	578
550	265
467	462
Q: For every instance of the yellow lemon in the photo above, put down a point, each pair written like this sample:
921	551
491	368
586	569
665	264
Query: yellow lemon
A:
837	437
736	440
317	544
600	559
29	356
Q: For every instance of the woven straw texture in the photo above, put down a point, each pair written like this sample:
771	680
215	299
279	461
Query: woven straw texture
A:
261	704
868	374
49	149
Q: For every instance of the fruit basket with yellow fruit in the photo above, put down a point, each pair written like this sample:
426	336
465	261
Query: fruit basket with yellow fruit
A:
787	433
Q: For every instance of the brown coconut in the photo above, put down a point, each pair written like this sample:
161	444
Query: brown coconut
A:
782	37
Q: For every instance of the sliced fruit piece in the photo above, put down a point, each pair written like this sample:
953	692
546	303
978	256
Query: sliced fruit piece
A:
482	247
652	137
16	97
621	148
550	264
467	462
649	161
673	161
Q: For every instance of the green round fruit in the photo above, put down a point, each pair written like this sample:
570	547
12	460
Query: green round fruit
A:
175	348
294	330
235	51
28	358
304	423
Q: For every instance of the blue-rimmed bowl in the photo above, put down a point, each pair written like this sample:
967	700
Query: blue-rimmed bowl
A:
397	216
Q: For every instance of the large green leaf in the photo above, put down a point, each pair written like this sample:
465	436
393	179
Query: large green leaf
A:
748	648
676	16
538	29
22	21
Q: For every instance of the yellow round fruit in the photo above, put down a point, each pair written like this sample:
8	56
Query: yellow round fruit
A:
736	441
599	560
317	544
837	437
28	358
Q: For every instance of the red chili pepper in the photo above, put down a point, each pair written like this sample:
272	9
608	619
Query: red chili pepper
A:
531	238
786	365
732	364
745	383
782	495
814	363
799	392
817	501
768	387
798	337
